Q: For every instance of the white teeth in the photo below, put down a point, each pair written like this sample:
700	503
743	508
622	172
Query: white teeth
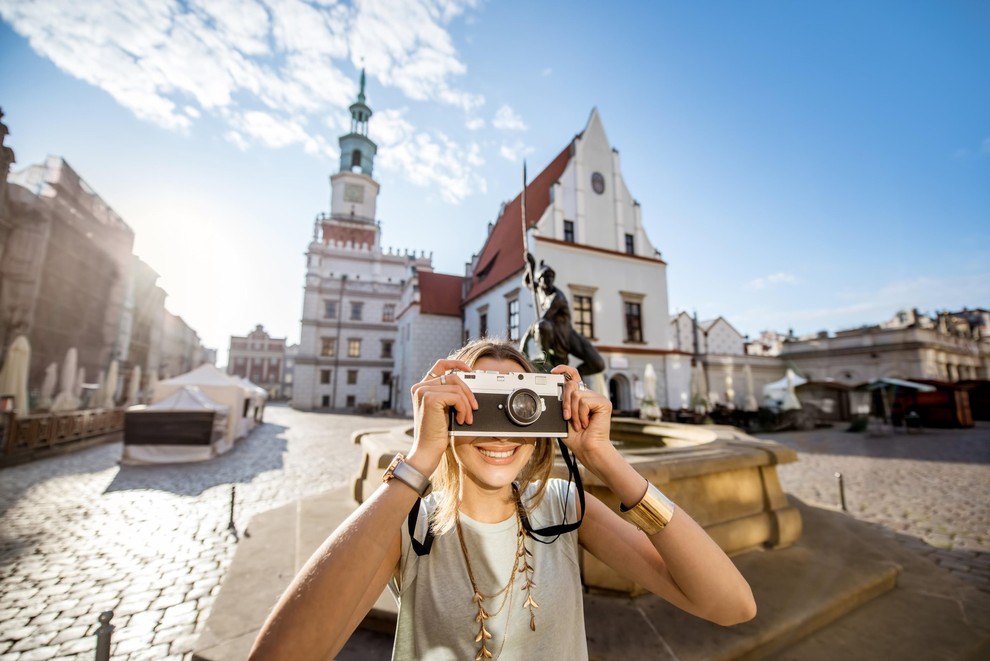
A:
497	455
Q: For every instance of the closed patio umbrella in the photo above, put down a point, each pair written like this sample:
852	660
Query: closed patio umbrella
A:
133	387
648	408
699	388
110	399
14	375
66	399
730	393
751	404
149	392
48	386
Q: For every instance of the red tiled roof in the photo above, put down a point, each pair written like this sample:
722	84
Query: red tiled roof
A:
502	254
440	293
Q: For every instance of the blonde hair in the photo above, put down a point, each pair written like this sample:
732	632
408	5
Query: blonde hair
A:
447	478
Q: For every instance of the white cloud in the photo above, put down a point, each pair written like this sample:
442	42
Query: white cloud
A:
274	71
515	151
405	45
475	124
236	139
772	279
508	120
427	158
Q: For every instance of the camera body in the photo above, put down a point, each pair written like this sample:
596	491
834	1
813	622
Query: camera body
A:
516	404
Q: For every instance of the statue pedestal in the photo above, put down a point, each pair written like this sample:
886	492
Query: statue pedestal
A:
725	479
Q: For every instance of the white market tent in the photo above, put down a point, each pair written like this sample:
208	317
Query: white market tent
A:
776	394
185	426
258	396
218	386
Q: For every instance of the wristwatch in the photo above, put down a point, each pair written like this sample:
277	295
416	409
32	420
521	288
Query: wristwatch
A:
408	475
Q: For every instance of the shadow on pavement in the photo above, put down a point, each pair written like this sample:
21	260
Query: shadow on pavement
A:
969	446
262	451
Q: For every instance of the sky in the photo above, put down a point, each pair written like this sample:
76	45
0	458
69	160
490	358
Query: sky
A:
800	165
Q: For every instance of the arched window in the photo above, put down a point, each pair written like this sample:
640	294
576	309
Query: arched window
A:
356	160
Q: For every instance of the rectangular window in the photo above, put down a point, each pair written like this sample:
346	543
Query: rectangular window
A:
329	309
388	312
514	319
351	378
634	322
328	346
354	347
351	401
324	377
386	348
386	377
584	323
569	231
483	324
357	310
325	401
630	244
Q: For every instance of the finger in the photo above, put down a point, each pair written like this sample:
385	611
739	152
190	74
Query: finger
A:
445	365
449	397
584	412
450	384
454	380
572	377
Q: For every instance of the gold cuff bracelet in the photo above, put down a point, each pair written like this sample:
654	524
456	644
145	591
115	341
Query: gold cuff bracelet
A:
652	513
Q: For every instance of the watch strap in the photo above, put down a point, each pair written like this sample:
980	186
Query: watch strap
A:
408	475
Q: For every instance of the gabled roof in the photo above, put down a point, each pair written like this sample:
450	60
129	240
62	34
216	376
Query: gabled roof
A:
204	375
440	293
187	398
502	254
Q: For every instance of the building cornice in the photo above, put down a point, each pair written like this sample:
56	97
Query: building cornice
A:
350	326
596	249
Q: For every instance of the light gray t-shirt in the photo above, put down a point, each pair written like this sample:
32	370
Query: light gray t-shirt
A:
436	611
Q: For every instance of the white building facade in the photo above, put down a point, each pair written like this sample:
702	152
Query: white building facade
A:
583	221
351	301
429	329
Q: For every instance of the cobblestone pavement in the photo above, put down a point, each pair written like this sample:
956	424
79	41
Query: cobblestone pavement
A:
930	491
80	534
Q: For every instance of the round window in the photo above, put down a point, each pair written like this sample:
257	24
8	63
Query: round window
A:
598	183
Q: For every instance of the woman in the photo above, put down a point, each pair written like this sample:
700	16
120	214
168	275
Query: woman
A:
484	588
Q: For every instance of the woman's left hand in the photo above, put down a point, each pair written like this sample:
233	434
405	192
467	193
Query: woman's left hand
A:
589	416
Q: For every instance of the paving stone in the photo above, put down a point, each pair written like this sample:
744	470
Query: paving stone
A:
40	654
86	644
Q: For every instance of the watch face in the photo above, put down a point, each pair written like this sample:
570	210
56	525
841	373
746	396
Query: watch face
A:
598	183
353	193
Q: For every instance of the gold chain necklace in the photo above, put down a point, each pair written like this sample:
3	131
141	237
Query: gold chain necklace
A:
520	564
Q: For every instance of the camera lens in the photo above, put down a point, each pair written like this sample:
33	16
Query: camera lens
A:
523	407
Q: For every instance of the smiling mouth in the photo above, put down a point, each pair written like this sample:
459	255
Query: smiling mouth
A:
500	454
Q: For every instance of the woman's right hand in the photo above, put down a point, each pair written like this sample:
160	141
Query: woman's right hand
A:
439	390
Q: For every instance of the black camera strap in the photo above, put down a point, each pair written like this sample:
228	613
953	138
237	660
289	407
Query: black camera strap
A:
573	476
421	548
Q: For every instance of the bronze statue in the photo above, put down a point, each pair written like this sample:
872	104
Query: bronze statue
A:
553	330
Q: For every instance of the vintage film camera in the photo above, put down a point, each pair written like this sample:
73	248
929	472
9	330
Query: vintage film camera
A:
517	404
